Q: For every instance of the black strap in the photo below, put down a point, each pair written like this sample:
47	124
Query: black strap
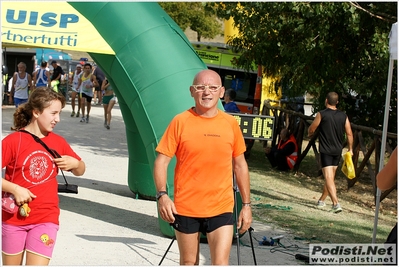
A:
53	152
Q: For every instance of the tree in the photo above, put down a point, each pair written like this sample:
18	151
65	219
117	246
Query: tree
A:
317	47
194	15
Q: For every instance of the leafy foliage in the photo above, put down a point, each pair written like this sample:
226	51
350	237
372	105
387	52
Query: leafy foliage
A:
194	15
318	47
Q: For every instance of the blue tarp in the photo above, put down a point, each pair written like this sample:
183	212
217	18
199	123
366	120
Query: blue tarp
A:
50	54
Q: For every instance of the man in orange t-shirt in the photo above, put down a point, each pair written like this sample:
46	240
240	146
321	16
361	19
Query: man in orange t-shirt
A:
209	146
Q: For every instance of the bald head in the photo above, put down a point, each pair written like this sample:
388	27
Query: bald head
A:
207	77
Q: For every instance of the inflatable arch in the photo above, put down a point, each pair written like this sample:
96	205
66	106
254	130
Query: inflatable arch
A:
151	65
152	69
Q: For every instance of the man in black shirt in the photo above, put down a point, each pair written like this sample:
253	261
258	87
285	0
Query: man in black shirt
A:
332	123
97	90
56	76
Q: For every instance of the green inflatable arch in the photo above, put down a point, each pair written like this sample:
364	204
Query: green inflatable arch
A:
151	71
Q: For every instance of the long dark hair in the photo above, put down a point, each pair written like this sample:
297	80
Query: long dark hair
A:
39	99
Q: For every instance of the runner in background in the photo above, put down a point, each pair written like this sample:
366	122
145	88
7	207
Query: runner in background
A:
21	84
41	77
86	83
56	76
109	100
74	80
98	94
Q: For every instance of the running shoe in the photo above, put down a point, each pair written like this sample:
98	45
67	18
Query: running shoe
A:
82	119
320	204
73	113
108	127
87	119
77	114
336	208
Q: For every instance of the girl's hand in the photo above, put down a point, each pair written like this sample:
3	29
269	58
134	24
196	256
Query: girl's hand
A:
67	163
22	195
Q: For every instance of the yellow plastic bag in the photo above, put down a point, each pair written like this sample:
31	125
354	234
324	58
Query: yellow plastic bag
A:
347	167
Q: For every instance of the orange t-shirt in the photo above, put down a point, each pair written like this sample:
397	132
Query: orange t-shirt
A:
204	149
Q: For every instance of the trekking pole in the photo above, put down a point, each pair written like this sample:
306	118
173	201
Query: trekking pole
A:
236	210
252	244
167	250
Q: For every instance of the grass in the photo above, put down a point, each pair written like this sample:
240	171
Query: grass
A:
287	201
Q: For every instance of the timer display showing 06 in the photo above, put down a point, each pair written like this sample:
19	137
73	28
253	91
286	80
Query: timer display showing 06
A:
257	127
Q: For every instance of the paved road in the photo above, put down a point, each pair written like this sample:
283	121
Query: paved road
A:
105	224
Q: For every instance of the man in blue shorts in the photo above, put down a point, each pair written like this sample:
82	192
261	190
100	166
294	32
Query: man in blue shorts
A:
332	123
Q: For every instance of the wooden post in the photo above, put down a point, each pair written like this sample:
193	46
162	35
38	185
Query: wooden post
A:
300	134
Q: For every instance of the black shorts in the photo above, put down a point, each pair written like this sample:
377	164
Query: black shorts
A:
88	98
329	160
190	225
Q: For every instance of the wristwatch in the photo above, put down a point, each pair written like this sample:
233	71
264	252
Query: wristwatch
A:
160	194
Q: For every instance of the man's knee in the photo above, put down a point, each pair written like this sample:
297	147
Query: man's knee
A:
189	262
329	172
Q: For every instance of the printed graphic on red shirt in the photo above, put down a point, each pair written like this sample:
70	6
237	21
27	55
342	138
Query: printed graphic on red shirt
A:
38	167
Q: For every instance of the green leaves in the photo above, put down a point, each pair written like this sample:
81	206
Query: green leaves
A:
195	15
319	47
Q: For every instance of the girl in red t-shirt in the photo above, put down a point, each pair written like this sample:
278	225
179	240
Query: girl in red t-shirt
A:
30	176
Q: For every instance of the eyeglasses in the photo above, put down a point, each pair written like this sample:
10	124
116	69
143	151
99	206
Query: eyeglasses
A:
201	88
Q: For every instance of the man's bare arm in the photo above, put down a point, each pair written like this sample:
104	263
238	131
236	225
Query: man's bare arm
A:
388	176
316	122
166	207
242	178
160	171
349	135
94	80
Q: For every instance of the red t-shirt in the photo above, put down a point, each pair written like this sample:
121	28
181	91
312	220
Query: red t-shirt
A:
204	149
35	170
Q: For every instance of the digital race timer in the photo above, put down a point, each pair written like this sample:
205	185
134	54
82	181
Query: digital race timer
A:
255	126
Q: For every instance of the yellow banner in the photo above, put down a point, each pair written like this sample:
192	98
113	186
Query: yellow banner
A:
55	25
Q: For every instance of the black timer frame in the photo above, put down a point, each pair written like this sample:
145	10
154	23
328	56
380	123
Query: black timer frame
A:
257	127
